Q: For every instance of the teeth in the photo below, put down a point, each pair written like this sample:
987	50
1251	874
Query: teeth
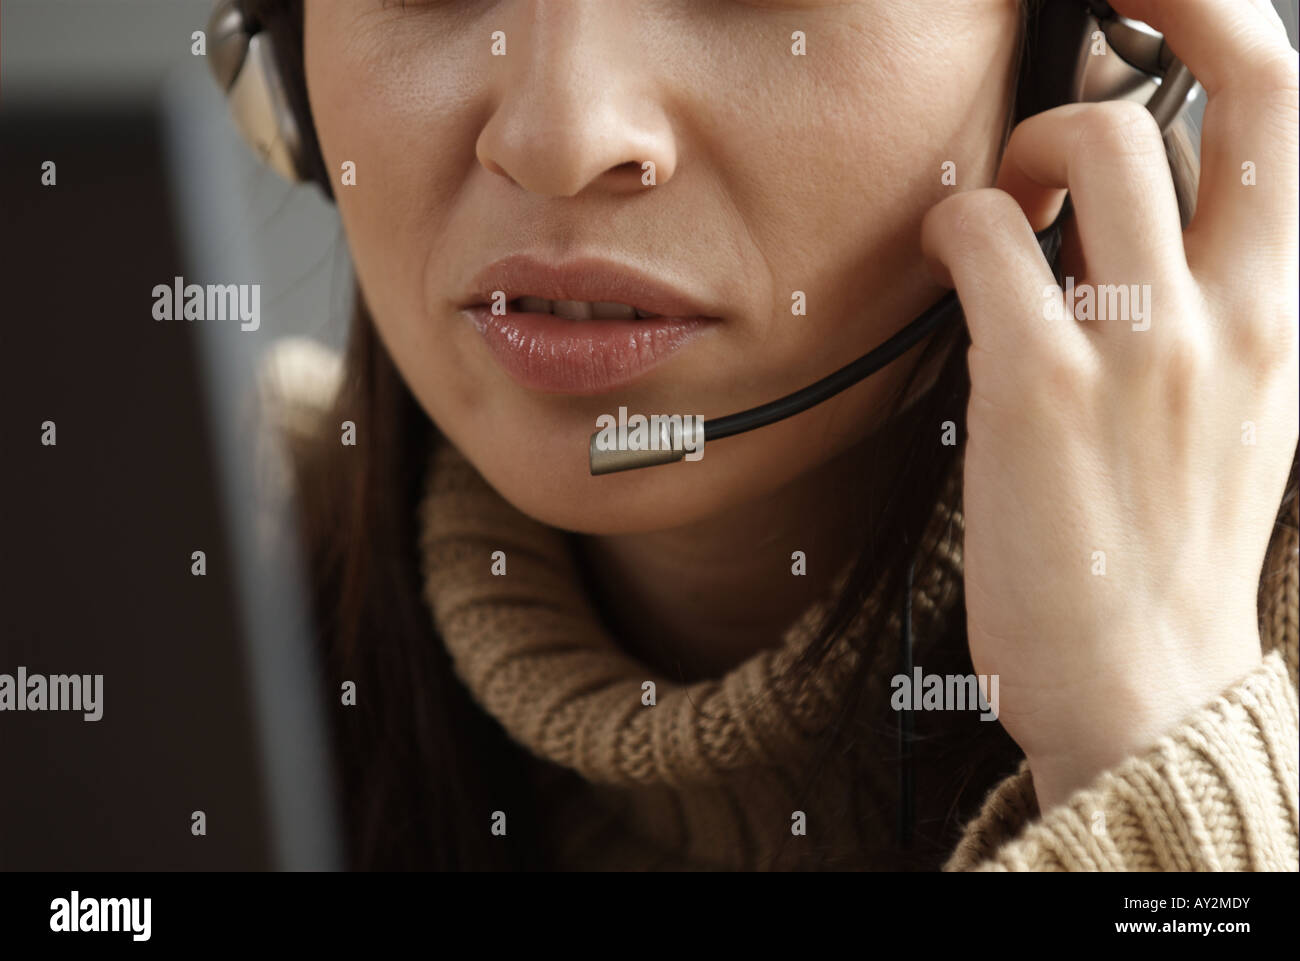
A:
607	311
534	305
573	309
581	310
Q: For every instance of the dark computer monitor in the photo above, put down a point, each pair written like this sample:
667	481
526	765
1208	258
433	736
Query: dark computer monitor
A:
209	697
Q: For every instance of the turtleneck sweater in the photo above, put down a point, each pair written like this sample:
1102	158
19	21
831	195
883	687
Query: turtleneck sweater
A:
709	774
636	770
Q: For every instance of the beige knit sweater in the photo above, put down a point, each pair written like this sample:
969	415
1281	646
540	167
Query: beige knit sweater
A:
716	774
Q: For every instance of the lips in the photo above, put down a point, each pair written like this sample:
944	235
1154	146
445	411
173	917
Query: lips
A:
574	350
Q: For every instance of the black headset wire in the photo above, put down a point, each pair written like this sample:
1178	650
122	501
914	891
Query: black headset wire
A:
942	311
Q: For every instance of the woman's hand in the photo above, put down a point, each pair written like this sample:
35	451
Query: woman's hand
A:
1123	474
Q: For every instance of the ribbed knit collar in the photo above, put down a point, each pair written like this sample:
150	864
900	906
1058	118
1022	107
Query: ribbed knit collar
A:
534	654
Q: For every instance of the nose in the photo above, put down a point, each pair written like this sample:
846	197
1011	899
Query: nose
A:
575	104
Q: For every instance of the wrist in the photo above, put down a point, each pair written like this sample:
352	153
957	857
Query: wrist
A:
1131	723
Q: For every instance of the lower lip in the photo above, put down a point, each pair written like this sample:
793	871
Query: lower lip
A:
557	355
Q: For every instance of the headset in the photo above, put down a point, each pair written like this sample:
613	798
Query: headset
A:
244	61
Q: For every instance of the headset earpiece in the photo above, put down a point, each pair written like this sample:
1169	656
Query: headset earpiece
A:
1136	57
244	63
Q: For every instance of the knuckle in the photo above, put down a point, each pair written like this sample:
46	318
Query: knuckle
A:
986	210
1276	71
1063	377
1123	128
1258	331
1267	342
967	220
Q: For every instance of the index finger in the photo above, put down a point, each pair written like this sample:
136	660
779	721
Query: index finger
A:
1225	43
1247	199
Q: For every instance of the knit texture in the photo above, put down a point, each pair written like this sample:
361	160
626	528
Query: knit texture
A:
713	774
710	774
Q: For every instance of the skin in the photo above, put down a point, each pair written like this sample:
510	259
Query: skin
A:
821	173
463	157
1099	437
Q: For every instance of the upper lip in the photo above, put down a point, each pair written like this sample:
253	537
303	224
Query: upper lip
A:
589	279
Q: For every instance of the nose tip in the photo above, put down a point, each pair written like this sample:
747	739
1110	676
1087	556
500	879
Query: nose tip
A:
564	159
574	109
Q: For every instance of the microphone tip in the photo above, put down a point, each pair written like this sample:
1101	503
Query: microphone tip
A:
611	461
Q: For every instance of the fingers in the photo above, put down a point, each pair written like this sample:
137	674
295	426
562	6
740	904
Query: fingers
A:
1112	159
1006	287
1247	201
1269	13
1225	43
1247	198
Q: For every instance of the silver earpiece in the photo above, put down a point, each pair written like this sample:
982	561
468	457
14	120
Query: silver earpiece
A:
245	67
1135	58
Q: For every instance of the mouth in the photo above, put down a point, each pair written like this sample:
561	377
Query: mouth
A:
583	327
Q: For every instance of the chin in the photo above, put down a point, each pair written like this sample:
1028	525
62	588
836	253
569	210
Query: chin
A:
568	498
561	492
538	461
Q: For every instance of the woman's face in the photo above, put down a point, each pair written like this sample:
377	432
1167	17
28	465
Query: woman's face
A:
774	173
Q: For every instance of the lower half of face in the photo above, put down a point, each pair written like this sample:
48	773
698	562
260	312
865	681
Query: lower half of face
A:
757	171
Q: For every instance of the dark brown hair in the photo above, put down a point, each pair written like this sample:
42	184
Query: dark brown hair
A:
420	765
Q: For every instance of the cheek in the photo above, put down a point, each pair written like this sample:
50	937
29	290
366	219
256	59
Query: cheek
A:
387	112
400	108
853	156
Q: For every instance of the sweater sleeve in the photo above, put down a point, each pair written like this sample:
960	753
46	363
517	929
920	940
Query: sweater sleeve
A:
1218	793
